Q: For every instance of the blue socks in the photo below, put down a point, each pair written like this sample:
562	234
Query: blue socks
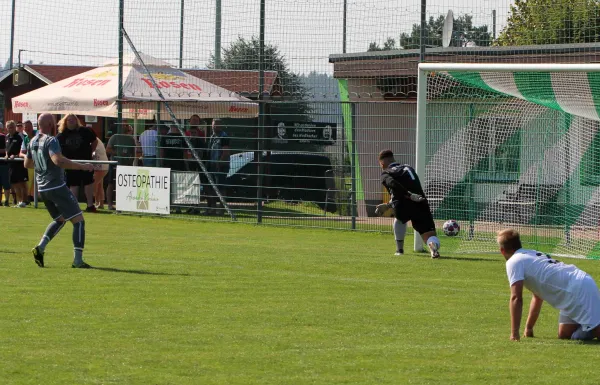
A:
51	231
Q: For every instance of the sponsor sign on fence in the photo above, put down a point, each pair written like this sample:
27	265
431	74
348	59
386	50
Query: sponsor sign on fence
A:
143	189
306	132
185	188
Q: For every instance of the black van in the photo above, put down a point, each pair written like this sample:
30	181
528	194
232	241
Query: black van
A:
289	176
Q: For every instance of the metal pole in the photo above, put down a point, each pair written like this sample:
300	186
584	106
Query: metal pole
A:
12	36
181	35
345	26
494	24
567	190
511	67
420	156
423	26
343	164
353	167
120	75
218	33
261	114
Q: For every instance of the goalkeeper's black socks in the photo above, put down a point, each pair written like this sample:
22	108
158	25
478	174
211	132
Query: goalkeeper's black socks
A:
78	242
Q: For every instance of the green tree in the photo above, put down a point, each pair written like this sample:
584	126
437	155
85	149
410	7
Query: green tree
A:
243	54
551	22
388	45
463	31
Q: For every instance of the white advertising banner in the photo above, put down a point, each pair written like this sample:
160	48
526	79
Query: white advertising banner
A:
185	188
143	189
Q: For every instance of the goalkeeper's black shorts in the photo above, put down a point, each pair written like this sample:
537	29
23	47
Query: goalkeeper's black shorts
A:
419	214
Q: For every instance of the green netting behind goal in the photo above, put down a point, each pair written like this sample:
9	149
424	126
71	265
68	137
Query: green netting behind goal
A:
516	149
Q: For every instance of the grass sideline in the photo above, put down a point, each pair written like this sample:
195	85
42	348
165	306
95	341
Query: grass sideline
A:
180	302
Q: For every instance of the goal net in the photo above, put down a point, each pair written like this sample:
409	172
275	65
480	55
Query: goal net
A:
514	146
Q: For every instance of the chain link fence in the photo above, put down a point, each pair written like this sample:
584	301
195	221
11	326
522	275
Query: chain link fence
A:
269	111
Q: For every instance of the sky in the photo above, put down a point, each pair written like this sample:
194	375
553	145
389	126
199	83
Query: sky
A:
83	32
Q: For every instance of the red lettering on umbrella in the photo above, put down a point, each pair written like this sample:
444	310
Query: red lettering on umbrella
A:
164	84
19	104
83	82
238	109
100	103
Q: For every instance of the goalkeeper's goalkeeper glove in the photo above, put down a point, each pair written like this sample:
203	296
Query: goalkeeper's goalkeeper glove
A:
416	198
382	208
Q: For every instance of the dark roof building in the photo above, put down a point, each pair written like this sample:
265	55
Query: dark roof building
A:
382	88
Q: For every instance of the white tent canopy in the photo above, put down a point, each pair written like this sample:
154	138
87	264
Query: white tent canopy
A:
95	93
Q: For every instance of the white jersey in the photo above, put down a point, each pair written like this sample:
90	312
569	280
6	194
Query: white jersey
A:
557	283
148	141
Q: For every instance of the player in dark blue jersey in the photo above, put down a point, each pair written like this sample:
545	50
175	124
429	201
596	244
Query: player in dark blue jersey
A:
408	202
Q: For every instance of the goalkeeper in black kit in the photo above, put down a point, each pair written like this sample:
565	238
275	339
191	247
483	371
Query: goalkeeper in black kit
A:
408	202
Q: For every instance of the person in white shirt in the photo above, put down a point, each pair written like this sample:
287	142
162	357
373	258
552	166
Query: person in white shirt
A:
565	287
148	141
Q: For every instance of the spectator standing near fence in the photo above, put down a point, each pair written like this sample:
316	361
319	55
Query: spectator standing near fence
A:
100	171
29	134
163	130
218	165
197	135
172	152
197	127
11	192
18	173
122	148
4	173
20	129
149	142
78	142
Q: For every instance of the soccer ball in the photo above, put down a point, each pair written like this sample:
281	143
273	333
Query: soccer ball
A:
451	228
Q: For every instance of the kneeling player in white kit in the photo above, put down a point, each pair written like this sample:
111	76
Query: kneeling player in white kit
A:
564	287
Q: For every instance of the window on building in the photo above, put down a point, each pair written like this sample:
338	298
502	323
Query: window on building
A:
397	88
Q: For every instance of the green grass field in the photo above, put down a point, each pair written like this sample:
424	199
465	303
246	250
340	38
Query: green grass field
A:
180	302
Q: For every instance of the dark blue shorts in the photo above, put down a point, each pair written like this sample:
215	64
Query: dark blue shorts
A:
4	177
60	202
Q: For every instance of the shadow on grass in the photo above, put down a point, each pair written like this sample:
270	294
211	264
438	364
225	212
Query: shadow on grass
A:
471	259
101	211
140	272
8	251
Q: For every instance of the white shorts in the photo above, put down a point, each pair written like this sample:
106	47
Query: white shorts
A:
587	312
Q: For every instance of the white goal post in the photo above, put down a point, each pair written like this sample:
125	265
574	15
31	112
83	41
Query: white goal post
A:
512	145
